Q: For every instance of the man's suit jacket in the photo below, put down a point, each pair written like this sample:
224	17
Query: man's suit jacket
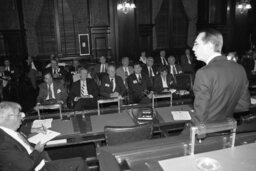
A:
106	89
136	88
146	72
61	71
91	88
14	157
120	72
184	60
220	88
59	92
178	68
158	61
158	84
97	68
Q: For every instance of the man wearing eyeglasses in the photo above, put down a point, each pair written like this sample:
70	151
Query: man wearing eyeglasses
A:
17	154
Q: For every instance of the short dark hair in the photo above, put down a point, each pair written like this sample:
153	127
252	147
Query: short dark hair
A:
213	36
46	73
137	63
162	69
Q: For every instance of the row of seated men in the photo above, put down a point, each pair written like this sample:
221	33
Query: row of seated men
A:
137	83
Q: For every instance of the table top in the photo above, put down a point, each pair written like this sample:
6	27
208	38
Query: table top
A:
230	159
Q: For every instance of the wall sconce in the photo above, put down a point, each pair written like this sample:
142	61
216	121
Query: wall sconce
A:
244	5
125	6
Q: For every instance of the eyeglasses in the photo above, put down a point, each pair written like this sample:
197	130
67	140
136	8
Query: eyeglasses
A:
20	115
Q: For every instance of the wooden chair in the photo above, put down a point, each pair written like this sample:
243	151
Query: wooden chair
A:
48	107
116	135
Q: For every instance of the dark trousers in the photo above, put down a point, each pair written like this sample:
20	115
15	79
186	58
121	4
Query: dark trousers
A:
73	164
86	103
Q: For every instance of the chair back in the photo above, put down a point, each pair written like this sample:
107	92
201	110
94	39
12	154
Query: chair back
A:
116	135
184	82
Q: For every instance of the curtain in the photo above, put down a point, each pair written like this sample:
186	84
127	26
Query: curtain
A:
32	10
190	7
156	6
79	10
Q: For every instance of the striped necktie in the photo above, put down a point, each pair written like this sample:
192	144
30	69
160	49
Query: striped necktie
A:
84	91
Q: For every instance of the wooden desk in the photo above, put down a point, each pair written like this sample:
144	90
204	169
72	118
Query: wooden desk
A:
230	159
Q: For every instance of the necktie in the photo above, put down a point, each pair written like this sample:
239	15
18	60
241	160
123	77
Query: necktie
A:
139	78
84	89
50	92
174	69
25	141
112	84
125	72
103	68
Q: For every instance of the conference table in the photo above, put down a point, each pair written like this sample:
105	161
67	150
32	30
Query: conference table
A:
230	159
84	128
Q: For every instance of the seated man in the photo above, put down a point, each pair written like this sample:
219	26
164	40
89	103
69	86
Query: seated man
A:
150	70
58	72
187	61
163	82
16	153
174	69
84	92
112	86
139	86
125	70
161	60
51	92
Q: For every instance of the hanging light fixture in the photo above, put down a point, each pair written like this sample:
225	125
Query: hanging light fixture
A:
125	6
244	5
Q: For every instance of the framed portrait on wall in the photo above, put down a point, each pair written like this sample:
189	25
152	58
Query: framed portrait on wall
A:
84	44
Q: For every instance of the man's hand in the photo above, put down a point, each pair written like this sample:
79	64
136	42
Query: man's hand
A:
76	99
114	95
150	95
39	147
60	102
42	130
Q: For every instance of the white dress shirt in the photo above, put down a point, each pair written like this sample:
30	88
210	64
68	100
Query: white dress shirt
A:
114	84
84	88
51	89
173	69
126	69
102	67
164	81
150	70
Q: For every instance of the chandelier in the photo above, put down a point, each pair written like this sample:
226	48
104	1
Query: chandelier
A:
125	6
244	5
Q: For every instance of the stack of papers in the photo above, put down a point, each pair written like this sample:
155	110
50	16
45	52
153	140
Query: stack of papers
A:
47	123
253	101
43	138
181	115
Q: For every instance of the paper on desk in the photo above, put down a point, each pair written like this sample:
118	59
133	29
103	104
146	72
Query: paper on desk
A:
253	101
43	138
47	123
181	115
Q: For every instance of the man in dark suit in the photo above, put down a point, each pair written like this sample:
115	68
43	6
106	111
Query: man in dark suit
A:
139	86
17	154
125	70
51	91
33	70
150	70
187	61
163	82
161	60
58	72
84	92
173	68
112	86
220	87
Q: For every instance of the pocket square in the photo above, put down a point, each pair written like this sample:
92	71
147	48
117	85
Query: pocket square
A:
135	82
58	91
107	85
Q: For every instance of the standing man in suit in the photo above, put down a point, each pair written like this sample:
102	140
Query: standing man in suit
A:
139	86
220	87
112	86
84	92
125	70
162	60
17	154
143	58
32	70
101	68
163	82
174	69
51	91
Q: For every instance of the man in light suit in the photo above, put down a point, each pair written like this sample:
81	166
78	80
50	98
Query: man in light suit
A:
220	87
84	92
112	86
17	154
50	90
125	70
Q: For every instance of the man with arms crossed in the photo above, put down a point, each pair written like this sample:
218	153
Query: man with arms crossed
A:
220	87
